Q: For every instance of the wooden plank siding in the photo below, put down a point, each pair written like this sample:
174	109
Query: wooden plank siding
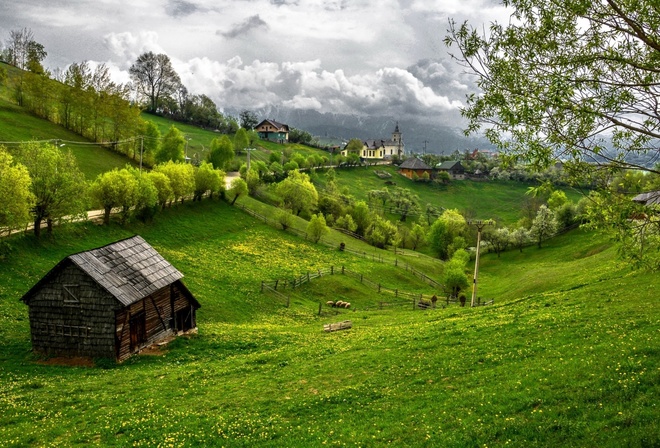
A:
62	325
159	309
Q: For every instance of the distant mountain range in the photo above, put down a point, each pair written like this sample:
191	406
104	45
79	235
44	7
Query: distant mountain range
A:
418	136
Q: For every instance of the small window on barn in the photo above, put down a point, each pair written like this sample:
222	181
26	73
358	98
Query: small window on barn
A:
71	294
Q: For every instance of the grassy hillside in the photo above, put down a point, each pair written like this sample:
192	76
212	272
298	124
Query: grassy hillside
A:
17	125
567	356
200	141
499	200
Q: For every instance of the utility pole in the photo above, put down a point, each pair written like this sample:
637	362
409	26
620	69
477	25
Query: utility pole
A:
480	226
248	157
425	142
141	150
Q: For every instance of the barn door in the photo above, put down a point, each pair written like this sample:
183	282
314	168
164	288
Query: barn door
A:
184	319
138	330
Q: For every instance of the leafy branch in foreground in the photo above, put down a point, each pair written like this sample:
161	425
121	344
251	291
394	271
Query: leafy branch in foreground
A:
571	80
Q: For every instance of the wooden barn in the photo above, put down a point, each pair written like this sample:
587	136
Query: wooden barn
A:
109	302
414	166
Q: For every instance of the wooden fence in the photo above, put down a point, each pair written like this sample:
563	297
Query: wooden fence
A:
401	298
370	256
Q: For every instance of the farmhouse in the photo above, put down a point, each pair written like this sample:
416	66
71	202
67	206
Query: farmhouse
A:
454	168
414	166
273	131
109	302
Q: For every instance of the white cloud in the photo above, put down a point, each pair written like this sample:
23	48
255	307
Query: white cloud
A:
344	56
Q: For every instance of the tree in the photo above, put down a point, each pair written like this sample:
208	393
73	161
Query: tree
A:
544	225
519	237
207	180
497	239
181	176
298	193
248	119
284	218
58	185
17	199
171	147
570	79
557	199
361	215
454	278
300	136
417	236
241	141
316	227
155	78
221	153
146	197
163	187
405	203
116	188
238	188
444	231
150	144
381	232
24	52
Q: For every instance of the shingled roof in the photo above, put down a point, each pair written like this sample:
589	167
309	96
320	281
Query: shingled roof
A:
279	126
650	198
414	163
129	269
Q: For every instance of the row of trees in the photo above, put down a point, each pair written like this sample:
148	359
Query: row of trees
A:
41	182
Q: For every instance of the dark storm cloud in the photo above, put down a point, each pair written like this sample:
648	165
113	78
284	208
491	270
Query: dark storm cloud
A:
180	8
245	27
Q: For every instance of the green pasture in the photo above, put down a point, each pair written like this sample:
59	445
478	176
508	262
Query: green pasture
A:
17	125
499	200
567	356
200	141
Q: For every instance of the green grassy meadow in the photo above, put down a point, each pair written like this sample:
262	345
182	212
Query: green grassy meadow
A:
567	356
499	200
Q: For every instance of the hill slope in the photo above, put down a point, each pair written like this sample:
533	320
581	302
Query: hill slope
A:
569	359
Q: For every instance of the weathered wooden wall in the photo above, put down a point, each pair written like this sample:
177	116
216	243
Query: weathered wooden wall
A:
160	309
71	315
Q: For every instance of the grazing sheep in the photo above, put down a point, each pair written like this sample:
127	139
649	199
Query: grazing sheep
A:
330	303
347	305
339	303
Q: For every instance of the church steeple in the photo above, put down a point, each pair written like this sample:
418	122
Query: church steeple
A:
397	138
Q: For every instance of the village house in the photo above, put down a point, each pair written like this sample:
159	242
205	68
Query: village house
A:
273	131
453	168
382	149
413	166
109	302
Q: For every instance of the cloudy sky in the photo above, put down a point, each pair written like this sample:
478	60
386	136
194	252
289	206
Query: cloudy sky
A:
363	57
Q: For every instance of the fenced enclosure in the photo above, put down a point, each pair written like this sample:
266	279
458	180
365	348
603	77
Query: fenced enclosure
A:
399	299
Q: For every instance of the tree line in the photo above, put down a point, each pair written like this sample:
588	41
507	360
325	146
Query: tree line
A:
42	183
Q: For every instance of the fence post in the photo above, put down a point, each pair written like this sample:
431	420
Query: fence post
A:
396	293
361	278
332	270
262	286
307	275
379	287
396	262
380	305
288	301
276	282
294	283
342	269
